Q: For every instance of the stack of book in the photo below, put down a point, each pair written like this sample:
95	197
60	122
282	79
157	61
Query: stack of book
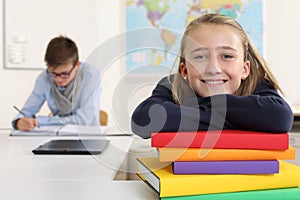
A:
221	164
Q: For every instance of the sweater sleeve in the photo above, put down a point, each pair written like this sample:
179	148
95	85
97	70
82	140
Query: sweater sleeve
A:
159	113
265	110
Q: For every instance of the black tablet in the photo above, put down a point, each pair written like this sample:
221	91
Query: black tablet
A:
83	147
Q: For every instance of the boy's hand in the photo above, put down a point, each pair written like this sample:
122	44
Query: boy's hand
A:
26	124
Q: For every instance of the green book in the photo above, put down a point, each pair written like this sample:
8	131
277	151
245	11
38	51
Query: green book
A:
274	194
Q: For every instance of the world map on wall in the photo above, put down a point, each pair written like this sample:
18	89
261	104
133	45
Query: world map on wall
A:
170	17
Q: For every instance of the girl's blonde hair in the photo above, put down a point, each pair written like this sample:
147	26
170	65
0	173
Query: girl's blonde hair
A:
258	67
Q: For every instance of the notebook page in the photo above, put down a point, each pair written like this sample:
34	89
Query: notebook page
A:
38	131
73	130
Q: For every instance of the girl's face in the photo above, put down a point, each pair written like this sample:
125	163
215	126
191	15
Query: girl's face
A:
214	60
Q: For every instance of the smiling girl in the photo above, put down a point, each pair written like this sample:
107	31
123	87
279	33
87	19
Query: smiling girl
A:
222	82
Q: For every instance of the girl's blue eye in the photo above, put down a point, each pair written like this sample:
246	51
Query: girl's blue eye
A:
200	57
227	56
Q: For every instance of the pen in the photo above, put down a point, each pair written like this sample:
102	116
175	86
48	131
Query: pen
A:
15	107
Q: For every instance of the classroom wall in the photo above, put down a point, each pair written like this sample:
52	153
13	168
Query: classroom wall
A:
281	52
282	42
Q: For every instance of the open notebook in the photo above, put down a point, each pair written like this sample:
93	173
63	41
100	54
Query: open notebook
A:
66	130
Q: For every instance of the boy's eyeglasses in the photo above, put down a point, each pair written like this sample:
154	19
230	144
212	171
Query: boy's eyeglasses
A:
63	75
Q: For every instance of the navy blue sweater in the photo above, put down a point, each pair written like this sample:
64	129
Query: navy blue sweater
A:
264	111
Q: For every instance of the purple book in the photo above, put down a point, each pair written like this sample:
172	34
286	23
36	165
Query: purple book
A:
227	167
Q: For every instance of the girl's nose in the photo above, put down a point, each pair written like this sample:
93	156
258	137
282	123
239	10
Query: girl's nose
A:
213	67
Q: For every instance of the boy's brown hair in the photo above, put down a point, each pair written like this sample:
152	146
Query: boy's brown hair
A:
61	50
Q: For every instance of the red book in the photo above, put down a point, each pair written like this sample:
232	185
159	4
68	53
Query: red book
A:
221	139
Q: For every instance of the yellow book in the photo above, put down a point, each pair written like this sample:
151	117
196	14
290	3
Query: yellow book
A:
200	154
160	177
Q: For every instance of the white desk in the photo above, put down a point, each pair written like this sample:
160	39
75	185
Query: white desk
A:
295	142
24	175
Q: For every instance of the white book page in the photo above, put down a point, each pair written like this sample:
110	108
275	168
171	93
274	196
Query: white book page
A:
72	129
38	131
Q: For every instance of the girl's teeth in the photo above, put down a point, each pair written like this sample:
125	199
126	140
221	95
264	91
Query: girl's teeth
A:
214	82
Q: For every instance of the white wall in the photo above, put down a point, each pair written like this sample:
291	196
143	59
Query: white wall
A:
282	47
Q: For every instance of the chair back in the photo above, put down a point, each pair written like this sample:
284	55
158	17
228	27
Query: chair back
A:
103	118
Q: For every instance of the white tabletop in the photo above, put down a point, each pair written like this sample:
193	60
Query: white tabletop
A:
24	175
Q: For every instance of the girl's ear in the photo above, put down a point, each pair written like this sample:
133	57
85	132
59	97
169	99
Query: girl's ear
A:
246	70
183	70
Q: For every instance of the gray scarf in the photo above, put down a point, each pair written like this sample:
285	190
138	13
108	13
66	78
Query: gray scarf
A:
65	97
